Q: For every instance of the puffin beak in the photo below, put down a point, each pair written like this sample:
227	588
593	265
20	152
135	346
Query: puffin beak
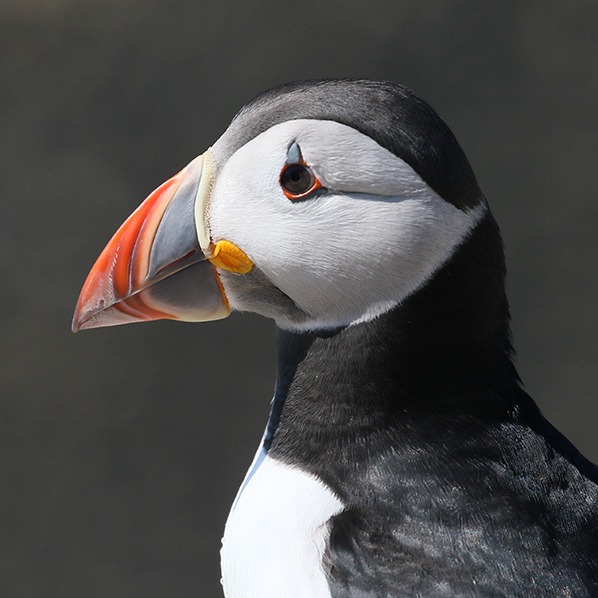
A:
161	264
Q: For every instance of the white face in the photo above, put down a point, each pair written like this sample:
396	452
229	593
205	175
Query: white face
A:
349	254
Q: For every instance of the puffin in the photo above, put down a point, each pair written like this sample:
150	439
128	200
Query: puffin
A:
402	457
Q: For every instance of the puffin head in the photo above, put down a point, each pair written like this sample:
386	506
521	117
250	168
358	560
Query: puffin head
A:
324	203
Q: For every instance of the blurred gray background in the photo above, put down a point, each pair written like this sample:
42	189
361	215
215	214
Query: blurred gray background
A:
121	449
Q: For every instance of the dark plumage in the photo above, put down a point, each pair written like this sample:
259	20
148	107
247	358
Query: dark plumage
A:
391	114
410	417
455	484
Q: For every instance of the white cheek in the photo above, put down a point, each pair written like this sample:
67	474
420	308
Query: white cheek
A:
363	252
341	257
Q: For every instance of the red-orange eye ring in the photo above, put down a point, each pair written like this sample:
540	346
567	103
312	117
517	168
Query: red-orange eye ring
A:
298	181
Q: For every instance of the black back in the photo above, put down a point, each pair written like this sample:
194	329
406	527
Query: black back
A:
454	483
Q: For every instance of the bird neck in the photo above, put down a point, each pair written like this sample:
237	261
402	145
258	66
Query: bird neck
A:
442	355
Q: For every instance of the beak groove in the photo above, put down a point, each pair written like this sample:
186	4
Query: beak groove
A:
153	267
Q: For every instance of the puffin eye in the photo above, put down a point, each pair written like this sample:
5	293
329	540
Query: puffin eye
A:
298	181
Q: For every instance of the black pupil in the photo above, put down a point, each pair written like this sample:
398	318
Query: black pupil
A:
296	179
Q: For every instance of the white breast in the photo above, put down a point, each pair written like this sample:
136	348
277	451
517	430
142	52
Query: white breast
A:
276	534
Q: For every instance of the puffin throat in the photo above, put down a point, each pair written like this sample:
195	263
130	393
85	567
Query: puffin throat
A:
442	355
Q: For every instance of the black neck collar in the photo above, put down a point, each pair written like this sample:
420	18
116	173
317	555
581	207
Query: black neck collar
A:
441	356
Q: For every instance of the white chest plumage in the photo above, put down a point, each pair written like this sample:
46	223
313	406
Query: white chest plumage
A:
276	534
